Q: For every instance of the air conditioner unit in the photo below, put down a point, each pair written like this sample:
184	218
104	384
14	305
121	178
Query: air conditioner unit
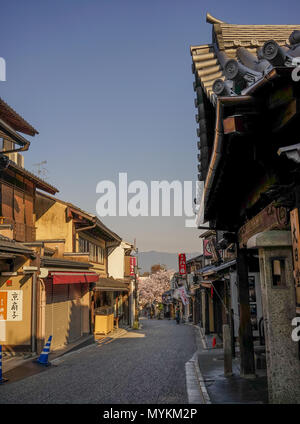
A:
13	157
20	160
17	158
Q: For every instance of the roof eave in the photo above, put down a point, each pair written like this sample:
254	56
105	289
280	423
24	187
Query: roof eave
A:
16	120
38	182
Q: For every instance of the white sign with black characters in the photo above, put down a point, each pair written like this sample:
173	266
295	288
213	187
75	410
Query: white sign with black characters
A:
14	305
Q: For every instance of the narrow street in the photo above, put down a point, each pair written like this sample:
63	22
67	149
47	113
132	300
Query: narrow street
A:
143	366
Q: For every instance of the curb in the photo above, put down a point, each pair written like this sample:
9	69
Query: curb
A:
8	366
200	378
194	390
202	383
202	337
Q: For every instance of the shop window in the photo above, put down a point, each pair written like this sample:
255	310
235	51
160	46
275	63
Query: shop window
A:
278	272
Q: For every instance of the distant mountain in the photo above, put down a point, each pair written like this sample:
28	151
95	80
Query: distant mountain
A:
147	259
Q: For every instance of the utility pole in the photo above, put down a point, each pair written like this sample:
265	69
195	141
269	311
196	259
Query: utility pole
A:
136	317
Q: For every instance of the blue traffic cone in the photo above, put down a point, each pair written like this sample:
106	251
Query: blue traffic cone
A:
2	380
43	359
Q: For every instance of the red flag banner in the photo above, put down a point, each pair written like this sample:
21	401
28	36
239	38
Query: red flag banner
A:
132	265
182	263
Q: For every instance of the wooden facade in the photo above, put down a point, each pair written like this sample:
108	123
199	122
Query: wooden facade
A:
248	111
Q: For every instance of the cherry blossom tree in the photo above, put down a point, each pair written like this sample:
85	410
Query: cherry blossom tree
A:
150	289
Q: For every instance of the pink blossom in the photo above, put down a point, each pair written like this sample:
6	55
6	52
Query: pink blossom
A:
151	288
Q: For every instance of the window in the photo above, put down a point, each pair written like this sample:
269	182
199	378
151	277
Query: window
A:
278	272
96	252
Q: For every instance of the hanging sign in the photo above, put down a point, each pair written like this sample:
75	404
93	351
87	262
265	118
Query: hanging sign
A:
207	249
182	263
183	295
132	265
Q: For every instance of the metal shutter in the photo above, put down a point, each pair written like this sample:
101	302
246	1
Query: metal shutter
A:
60	314
75	312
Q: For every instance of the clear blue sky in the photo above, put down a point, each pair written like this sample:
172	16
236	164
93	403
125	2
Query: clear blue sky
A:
108	85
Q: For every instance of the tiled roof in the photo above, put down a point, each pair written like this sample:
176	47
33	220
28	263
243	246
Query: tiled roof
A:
9	245
110	284
12	118
63	263
230	36
41	184
239	60
5	162
207	65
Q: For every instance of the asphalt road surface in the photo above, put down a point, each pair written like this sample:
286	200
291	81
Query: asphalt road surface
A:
143	366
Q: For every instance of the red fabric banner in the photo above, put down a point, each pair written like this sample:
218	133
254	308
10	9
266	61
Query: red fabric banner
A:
182	263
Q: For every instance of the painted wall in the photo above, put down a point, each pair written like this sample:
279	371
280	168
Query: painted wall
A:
116	262
51	221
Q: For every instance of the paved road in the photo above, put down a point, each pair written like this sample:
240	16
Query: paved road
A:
144	366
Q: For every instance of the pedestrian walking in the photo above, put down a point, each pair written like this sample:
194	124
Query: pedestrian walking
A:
177	315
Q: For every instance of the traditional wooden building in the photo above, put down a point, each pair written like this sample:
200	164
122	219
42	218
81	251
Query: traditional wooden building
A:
247	96
76	285
119	268
19	263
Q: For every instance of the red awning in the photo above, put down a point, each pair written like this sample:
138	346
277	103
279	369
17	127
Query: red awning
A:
60	277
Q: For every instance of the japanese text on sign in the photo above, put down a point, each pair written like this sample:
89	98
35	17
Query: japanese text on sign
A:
11	305
132	265
182	263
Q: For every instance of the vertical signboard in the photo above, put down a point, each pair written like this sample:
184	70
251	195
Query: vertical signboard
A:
296	250
11	305
132	265
14	305
3	315
182	263
3	306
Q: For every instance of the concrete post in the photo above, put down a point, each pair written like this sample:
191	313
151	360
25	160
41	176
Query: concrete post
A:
227	351
279	308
